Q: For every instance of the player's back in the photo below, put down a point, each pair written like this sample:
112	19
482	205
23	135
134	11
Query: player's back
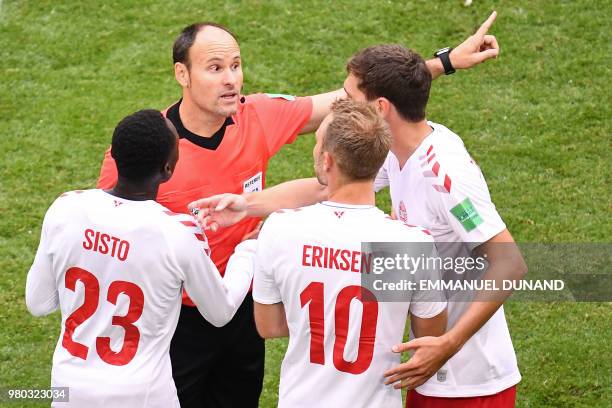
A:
339	342
117	267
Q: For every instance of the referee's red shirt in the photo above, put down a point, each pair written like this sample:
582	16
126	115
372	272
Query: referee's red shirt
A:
261	126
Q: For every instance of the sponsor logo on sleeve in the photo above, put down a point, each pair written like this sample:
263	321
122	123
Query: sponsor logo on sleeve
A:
467	215
281	96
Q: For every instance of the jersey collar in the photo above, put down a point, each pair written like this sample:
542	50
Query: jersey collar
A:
210	143
350	206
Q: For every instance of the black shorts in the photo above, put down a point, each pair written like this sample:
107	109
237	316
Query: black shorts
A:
218	366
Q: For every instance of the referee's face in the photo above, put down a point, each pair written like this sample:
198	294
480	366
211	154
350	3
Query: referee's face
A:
215	75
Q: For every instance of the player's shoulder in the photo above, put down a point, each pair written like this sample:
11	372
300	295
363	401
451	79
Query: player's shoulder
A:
268	97
182	231
67	201
285	215
290	219
398	230
262	102
444	160
445	145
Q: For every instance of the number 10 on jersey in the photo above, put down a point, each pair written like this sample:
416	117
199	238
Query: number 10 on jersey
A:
312	296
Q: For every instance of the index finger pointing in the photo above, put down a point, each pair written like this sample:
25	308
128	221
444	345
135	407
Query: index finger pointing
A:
484	28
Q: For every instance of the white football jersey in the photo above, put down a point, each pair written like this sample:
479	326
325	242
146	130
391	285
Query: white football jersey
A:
339	343
441	188
116	269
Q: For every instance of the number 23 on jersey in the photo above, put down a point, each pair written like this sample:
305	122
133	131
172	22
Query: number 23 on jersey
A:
89	307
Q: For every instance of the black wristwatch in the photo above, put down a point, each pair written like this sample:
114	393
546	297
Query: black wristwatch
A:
444	55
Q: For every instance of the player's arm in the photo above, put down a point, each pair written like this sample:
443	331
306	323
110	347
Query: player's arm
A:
431	353
223	210
429	329
429	326
476	49
270	317
270	320
41	290
428	321
505	264
467	208
216	298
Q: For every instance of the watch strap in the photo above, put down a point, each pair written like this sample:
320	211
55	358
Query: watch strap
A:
446	63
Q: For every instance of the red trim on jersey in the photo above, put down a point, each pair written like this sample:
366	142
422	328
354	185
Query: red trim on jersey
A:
447	182
189	223
436	168
503	399
429	150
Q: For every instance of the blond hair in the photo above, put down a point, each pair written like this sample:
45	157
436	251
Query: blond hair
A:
358	138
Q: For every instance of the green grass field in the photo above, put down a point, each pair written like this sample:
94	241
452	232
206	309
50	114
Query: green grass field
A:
537	120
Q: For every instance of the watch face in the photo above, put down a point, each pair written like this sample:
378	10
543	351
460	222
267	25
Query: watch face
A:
442	51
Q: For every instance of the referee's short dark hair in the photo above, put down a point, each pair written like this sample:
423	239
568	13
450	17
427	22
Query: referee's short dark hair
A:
142	143
185	40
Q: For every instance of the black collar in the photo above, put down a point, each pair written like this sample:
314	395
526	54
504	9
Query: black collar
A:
210	143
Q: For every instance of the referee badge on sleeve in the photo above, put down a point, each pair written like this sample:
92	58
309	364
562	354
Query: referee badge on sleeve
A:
253	184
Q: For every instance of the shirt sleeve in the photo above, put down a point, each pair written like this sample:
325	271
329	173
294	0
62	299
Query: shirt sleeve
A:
382	178
265	289
42	295
108	172
463	200
282	117
216	298
427	303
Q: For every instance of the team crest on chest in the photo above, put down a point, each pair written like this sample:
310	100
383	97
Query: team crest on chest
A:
403	214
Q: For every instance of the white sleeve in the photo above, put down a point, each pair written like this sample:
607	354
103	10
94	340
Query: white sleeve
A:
428	303
467	207
239	270
217	299
41	294
382	178
265	290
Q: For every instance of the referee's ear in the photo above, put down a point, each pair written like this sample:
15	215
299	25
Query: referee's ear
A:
181	73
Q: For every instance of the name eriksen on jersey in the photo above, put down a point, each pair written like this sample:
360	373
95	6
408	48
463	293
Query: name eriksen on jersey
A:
335	258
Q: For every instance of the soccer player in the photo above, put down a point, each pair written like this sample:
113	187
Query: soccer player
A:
340	336
226	141
115	262
435	183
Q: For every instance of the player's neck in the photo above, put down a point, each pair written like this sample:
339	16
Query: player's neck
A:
354	192
407	137
129	190
198	121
